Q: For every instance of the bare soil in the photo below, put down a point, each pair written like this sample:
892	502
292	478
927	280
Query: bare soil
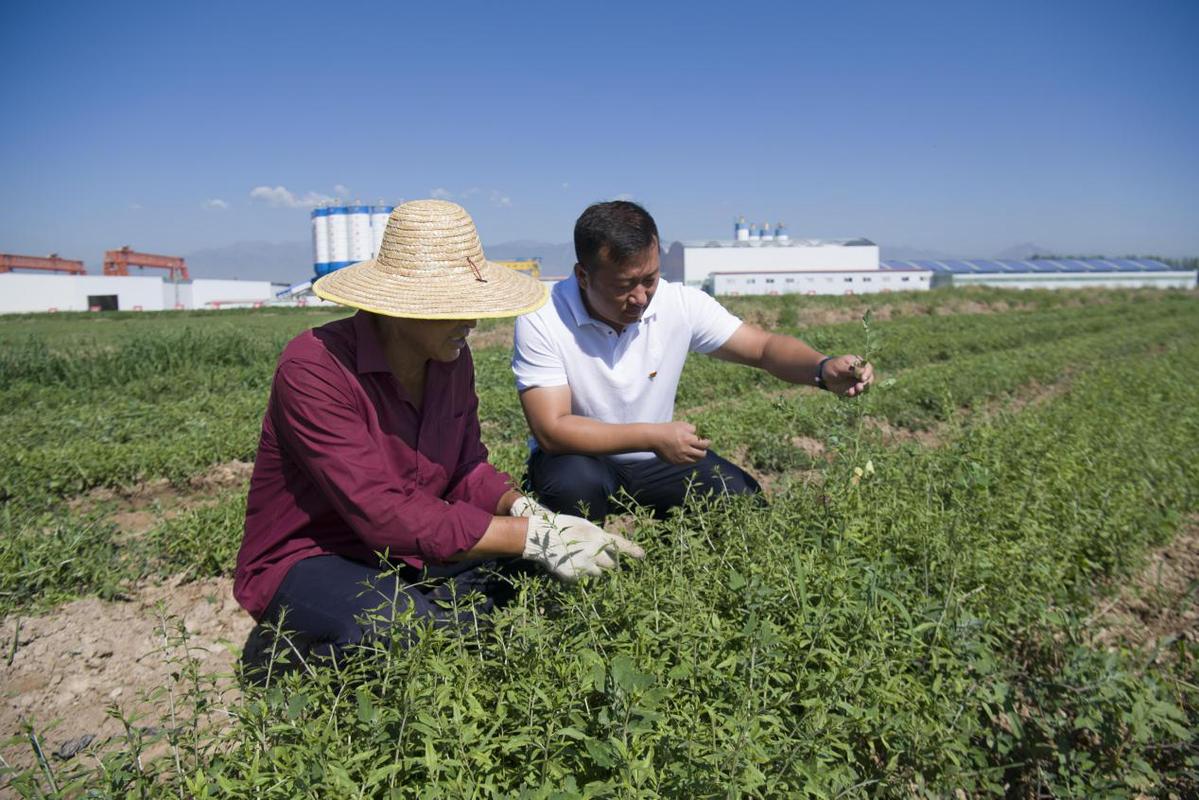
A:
500	335
70	664
73	663
1158	605
138	508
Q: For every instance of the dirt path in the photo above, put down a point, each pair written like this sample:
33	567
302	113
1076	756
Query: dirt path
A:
1158	605
75	661
72	663
136	509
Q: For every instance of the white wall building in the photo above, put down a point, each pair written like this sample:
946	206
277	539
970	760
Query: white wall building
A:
1054	273
692	262
800	282
1117	280
219	294
25	292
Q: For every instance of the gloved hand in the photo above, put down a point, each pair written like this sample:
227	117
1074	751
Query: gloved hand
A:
571	546
528	507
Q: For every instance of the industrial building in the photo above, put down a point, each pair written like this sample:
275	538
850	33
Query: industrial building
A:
692	263
23	293
818	281
1059	273
765	261
759	260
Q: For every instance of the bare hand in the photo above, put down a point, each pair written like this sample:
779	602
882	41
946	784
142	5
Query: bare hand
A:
677	443
848	375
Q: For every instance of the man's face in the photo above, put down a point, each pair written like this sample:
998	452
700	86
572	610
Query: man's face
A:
620	295
436	339
444	339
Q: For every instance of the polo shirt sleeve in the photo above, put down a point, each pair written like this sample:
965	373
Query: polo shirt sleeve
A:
711	323
536	361
324	432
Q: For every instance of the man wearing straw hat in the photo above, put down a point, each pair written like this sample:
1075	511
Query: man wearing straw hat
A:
598	366
370	445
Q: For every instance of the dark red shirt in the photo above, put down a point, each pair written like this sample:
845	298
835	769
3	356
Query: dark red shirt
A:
347	465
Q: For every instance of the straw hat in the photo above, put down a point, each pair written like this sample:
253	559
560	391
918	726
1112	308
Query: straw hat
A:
431	266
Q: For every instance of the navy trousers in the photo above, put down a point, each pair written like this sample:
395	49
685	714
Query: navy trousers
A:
585	485
329	604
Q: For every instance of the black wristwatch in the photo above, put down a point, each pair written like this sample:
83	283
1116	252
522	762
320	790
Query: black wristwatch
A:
820	373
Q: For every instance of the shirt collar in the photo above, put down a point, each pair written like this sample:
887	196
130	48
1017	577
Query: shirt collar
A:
370	355
574	300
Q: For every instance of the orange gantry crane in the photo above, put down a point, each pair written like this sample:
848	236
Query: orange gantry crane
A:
118	262
50	263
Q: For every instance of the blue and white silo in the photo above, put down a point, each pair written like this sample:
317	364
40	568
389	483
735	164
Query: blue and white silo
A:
361	239
339	237
740	232
780	233
320	240
379	216
766	233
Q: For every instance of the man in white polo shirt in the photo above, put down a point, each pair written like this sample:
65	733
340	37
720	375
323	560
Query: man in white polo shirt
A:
598	366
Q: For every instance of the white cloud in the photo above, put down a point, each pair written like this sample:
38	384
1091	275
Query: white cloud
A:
440	193
472	191
341	189
500	199
280	197
216	203
136	206
565	185
623	196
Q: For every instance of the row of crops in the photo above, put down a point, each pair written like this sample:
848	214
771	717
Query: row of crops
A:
903	619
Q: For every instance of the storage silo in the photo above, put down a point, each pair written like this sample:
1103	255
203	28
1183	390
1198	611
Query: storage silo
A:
780	233
767	234
361	239
740	232
339	237
320	240
379	215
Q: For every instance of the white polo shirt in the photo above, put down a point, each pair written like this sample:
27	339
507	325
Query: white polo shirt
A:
618	377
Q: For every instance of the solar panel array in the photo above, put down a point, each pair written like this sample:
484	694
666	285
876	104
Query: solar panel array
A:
1041	265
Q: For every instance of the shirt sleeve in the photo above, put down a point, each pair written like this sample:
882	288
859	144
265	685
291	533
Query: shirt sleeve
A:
711	323
535	359
475	481
321	427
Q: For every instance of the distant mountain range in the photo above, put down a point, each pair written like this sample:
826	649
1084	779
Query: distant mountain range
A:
556	259
290	262
279	262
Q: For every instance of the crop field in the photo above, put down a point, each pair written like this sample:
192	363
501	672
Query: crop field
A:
980	580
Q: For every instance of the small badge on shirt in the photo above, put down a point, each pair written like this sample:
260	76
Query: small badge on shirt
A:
653	375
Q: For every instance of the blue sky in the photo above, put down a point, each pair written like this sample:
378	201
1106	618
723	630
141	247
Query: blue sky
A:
961	126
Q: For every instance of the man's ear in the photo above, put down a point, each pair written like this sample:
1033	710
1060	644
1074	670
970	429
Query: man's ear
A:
581	275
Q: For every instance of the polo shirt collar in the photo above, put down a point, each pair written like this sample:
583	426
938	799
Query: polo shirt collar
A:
370	356
574	301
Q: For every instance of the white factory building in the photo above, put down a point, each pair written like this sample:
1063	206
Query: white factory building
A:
779	265
1053	273
24	292
759	262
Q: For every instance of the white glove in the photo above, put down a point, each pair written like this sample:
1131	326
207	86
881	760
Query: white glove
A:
528	507
571	546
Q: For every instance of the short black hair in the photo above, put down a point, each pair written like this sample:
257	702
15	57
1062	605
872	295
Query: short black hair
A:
616	231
